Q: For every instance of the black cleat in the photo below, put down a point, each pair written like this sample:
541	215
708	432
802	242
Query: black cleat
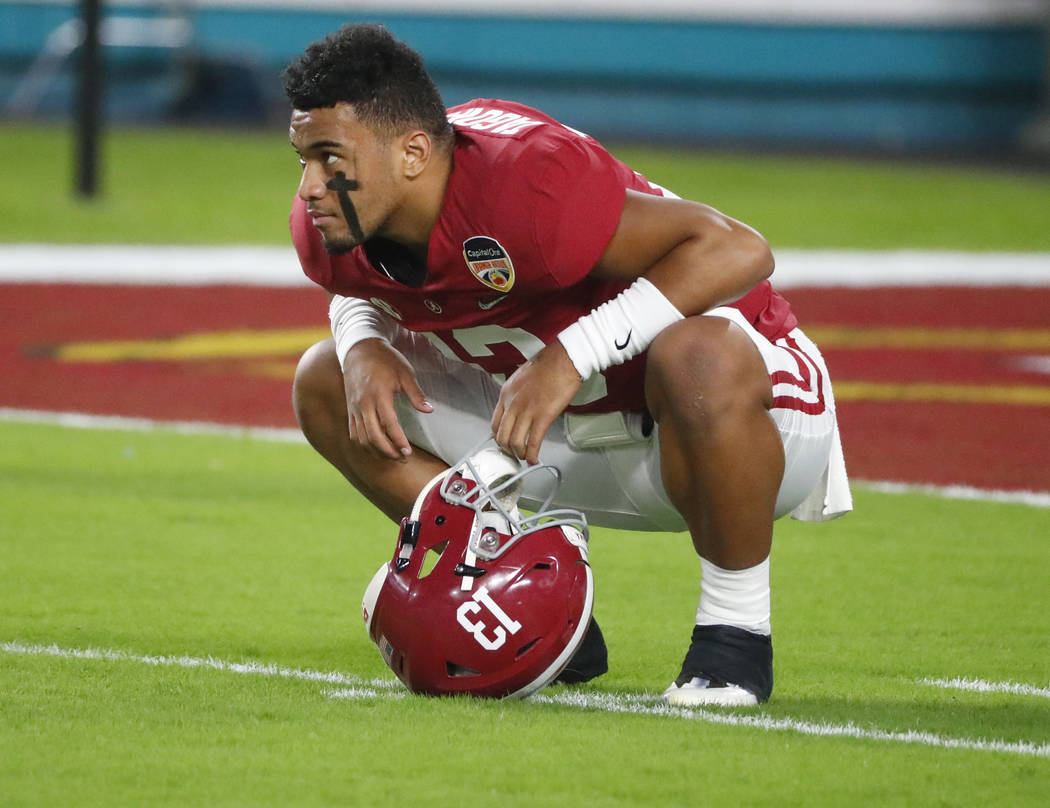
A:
724	666
590	660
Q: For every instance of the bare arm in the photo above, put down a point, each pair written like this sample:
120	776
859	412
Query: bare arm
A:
696	256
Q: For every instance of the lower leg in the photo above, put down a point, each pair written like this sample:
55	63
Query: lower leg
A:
722	463
721	455
728	500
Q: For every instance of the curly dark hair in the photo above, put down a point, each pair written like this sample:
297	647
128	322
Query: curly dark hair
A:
383	79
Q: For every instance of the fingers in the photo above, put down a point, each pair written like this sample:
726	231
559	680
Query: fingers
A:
533	441
379	431
529	401
519	426
415	395
521	436
497	421
373	375
369	434
386	434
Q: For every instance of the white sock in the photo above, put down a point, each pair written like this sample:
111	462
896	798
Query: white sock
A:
735	597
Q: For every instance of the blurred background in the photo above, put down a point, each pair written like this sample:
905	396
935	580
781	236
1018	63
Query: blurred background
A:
898	76
894	154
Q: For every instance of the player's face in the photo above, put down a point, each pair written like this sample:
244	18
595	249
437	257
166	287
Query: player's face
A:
349	181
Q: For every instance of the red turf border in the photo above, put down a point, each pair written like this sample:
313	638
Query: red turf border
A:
992	445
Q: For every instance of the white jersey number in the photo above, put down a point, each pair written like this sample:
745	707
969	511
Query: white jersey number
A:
478	341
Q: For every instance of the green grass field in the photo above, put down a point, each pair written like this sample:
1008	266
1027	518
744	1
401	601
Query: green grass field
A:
157	543
169	601
213	187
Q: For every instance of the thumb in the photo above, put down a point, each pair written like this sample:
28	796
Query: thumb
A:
412	389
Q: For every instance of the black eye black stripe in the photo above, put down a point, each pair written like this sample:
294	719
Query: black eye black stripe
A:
342	186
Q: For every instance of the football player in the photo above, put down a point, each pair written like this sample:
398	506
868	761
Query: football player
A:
492	271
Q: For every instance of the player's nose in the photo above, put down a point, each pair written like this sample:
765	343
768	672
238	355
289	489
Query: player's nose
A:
311	184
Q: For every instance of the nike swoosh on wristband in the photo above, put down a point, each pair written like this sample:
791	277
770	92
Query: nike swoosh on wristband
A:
485	305
626	341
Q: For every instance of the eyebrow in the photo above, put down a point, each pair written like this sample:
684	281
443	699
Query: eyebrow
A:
322	144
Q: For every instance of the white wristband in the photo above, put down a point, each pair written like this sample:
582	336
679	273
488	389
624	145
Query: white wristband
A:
354	320
618	329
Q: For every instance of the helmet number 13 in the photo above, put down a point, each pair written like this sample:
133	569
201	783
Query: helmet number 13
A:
499	633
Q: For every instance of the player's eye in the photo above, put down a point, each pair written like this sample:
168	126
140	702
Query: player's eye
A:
330	159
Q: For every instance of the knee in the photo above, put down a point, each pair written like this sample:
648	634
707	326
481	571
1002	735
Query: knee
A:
704	367
318	383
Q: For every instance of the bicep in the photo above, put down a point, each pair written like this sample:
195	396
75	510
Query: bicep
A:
650	227
697	256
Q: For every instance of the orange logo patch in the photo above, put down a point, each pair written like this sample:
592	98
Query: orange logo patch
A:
489	263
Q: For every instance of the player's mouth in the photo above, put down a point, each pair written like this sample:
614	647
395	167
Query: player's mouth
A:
322	219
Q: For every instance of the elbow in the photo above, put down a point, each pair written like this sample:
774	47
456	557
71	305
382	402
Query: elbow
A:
764	261
742	247
755	255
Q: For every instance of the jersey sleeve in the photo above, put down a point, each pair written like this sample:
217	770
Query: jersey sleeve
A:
316	263
579	199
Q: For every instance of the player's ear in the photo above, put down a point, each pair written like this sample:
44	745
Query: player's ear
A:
415	153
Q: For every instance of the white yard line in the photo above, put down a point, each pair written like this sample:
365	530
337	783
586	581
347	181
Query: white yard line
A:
1037	499
981	686
160	265
279	266
352	688
77	420
209	663
354	693
83	420
621	703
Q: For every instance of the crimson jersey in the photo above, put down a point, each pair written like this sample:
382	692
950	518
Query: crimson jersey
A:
529	209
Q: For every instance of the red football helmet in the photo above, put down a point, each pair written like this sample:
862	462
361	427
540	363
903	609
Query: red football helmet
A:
479	599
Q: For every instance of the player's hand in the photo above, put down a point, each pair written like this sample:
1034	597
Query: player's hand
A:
530	400
373	374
